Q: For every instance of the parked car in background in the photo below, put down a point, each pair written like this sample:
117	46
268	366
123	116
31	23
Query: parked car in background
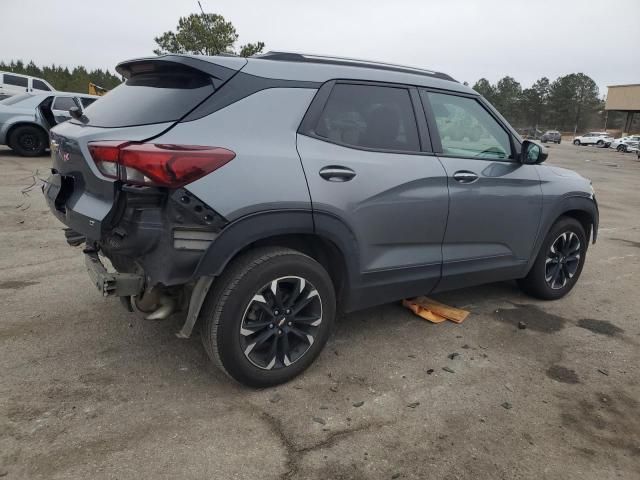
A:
551	136
15	84
261	194
25	119
602	139
623	143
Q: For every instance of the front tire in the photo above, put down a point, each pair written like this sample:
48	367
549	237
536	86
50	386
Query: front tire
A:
621	148
559	262
28	141
268	316
576	142
600	143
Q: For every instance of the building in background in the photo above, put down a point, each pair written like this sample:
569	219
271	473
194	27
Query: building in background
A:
626	99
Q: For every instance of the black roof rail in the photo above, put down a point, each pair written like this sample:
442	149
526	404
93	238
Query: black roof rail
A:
350	62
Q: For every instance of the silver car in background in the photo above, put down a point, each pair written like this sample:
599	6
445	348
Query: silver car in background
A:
25	119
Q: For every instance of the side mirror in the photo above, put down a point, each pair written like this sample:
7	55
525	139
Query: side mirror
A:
532	153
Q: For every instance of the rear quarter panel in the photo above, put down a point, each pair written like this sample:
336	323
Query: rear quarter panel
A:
266	173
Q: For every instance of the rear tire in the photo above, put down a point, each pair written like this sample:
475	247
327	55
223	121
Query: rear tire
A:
559	262
600	143
576	142
28	141
257	337
621	148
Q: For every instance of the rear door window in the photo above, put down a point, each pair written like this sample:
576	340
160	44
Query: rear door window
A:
371	117
466	129
149	98
63	103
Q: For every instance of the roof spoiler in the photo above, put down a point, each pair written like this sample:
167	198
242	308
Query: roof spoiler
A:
219	68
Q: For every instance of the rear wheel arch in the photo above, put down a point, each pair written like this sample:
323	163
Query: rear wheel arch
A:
11	131
24	124
329	242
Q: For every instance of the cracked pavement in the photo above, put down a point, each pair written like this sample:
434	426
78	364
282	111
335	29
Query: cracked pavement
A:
91	391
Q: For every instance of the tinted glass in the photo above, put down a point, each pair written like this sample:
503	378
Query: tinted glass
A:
87	101
40	85
17	81
466	129
150	98
63	103
380	118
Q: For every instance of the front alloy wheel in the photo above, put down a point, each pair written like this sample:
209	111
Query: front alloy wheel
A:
559	262
563	260
281	322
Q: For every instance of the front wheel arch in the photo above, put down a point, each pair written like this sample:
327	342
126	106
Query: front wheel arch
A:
581	208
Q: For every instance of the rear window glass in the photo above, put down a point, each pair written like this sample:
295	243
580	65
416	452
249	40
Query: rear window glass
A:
150	98
87	101
63	103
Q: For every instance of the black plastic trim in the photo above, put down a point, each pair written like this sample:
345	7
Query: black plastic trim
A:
249	229
575	201
352	62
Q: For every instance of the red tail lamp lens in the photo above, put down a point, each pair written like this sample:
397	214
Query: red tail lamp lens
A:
164	165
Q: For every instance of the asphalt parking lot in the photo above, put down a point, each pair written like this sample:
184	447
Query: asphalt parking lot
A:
90	391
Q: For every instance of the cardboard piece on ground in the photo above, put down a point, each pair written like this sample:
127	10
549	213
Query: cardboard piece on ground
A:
434	311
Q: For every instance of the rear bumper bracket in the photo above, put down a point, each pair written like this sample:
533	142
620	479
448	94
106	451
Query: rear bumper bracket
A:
112	284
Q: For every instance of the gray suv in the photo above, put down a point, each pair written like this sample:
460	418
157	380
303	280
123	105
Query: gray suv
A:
262	196
551	136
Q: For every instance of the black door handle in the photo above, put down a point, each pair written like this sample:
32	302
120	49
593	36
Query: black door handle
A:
465	176
336	173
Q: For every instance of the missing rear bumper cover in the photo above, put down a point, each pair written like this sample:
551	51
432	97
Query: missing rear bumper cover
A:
112	284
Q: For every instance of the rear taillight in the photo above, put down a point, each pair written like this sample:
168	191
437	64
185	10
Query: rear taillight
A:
162	165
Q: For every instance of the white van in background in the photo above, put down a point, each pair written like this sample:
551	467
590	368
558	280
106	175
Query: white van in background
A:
14	83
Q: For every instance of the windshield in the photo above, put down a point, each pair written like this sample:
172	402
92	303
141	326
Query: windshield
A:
15	99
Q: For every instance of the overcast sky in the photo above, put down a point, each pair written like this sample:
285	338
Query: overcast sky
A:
467	39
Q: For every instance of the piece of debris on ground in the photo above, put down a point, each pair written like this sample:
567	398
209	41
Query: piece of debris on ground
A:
434	311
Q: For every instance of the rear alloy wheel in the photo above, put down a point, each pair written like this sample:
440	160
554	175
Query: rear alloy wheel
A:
559	262
621	148
576	142
600	143
268	316
280	323
28	141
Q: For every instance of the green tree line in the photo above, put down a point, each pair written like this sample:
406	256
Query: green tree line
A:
62	78
569	103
